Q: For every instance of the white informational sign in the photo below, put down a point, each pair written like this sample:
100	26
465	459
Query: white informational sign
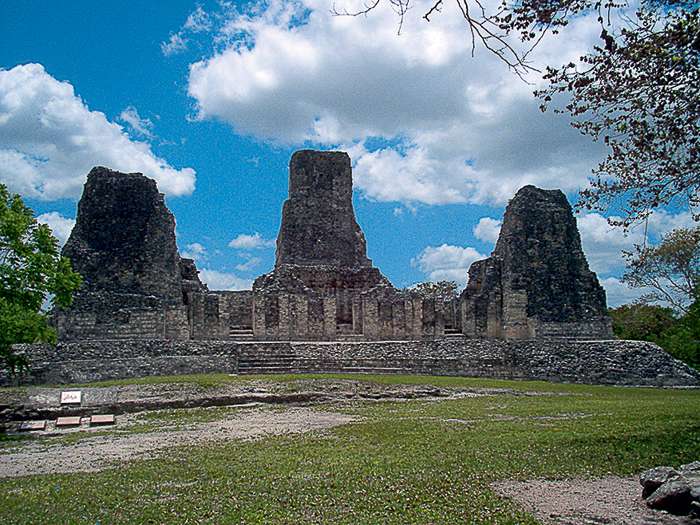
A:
71	398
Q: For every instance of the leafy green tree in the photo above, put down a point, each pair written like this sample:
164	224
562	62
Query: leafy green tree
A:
641	322
444	291
31	270
671	270
682	340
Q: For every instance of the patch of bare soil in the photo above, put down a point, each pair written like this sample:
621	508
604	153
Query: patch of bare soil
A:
44	402
610	500
104	451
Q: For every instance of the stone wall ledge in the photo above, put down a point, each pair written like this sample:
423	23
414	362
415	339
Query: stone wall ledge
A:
611	362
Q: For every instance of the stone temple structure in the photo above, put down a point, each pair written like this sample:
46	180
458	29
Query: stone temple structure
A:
532	310
123	244
323	287
537	283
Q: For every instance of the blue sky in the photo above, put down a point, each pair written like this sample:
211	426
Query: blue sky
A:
212	98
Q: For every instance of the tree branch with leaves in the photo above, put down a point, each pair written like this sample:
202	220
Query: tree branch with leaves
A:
670	270
638	91
31	270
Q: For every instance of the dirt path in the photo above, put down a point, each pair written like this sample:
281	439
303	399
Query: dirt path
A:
611	500
97	453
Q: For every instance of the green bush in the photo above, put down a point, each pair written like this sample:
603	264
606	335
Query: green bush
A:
680	337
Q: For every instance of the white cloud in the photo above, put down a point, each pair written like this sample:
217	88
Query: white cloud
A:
447	263
50	139
618	293
175	44
60	226
487	229
140	126
249	265
197	22
455	129
250	242
195	251
217	280
603	244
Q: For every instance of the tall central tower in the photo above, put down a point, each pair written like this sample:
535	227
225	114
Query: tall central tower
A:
321	269
318	220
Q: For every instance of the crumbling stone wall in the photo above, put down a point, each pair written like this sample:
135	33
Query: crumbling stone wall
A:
135	286
537	283
593	362
221	315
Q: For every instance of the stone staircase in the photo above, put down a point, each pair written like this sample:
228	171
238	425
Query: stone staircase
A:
453	334
241	333
285	361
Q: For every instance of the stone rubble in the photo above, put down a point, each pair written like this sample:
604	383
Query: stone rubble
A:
675	491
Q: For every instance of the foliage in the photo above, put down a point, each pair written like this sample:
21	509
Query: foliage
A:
641	322
671	269
444	291
680	337
398	463
682	340
31	268
638	90
640	93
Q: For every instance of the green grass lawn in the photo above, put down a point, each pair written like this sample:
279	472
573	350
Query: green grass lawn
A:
403	462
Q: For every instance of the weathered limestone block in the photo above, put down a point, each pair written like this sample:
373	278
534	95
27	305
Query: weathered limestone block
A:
537	282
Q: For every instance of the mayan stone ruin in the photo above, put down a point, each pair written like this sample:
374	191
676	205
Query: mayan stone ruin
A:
537	283
532	310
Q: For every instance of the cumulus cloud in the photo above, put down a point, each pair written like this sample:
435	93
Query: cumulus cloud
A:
618	293
140	126
487	229
50	139
450	128
195	251
217	280
447	262
604	244
255	241
60	226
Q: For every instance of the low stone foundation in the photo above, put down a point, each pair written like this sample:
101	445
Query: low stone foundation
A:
592	362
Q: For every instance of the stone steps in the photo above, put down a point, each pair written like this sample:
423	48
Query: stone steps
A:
323	370
284	362
241	334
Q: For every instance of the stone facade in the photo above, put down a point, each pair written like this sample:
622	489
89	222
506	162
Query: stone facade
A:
592	362
323	287
537	283
136	285
142	309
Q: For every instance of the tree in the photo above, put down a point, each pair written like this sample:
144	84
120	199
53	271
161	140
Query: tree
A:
444	291
682	340
640	94
31	269
638	90
641	322
671	270
680	337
